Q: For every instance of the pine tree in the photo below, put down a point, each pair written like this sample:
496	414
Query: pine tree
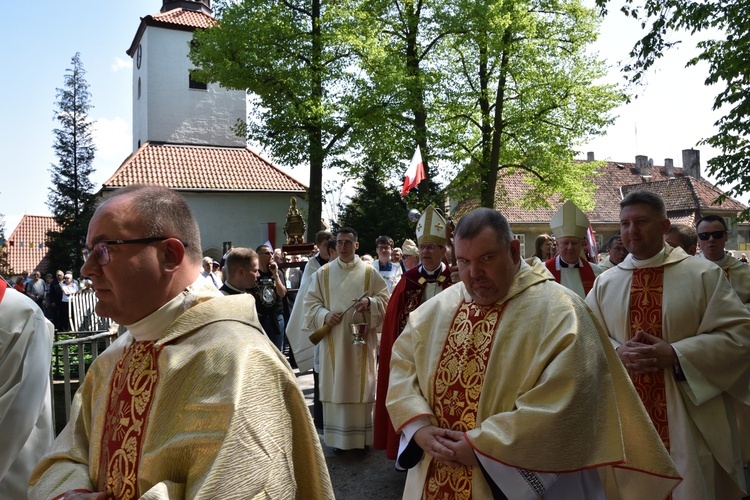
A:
71	196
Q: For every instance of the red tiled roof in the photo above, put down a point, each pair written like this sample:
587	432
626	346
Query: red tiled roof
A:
183	17
27	248
179	19
684	195
209	168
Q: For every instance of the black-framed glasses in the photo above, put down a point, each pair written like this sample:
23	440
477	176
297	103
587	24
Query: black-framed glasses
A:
430	247
100	250
716	234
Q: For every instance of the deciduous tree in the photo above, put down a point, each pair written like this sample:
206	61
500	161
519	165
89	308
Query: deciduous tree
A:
291	58
523	95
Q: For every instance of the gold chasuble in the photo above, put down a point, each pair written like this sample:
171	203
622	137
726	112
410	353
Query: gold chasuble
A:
645	314
538	391
205	408
130	396
460	371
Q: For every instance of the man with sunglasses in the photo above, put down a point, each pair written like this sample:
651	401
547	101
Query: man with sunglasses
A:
712	237
179	406
684	336
347	370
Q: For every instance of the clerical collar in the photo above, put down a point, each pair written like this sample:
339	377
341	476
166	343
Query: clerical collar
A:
229	285
152	327
348	265
654	261
321	259
435	276
565	264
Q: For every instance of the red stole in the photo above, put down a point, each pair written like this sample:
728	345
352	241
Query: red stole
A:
459	376
587	273
131	393
407	296
646	293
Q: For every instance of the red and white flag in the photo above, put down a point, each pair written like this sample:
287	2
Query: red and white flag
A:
414	174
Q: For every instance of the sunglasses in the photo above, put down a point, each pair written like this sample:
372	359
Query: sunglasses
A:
716	234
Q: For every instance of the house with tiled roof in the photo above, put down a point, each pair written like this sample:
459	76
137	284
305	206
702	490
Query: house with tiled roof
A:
184	139
27	245
687	196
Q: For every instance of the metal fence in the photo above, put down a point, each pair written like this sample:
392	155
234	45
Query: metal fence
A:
74	351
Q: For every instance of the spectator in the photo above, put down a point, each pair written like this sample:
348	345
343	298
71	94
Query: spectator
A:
269	292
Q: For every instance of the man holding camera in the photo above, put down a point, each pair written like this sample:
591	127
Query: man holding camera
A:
269	290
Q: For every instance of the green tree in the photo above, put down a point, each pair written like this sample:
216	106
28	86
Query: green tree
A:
523	96
291	59
395	45
71	197
377	209
726	51
5	269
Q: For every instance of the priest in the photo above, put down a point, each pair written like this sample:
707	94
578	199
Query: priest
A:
497	397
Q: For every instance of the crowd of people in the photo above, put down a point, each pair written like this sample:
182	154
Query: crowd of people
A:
480	373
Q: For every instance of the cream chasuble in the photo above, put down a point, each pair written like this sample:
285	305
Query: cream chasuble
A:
347	371
209	409
554	402
738	274
709	329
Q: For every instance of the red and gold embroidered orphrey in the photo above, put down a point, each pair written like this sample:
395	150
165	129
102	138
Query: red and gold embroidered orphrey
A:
646	293
131	393
458	381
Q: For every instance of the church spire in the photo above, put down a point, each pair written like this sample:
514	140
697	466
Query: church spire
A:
197	5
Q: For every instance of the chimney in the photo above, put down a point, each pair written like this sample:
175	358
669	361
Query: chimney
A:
691	163
669	167
590	156
641	165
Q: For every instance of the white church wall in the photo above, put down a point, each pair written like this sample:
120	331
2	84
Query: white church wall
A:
170	111
241	218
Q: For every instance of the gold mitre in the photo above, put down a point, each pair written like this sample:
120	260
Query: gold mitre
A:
431	227
569	221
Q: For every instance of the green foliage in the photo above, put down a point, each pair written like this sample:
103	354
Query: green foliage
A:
291	58
726	51
524	96
5	269
71	197
377	209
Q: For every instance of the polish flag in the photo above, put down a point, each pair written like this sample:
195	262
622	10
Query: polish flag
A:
414	174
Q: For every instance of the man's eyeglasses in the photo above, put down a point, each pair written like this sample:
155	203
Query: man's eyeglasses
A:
344	243
383	248
428	246
716	234
100	250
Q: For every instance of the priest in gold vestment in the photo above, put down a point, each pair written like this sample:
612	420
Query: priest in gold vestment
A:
193	401
684	335
503	386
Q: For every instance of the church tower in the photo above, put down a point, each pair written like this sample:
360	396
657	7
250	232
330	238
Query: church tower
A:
168	105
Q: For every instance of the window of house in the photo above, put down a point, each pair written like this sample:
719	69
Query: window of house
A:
522	239
195	84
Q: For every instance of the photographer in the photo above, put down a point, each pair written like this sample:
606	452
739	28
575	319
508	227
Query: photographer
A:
269	290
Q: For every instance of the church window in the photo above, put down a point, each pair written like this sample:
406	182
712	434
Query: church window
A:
195	84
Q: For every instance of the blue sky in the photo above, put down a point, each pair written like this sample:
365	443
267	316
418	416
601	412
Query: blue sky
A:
672	113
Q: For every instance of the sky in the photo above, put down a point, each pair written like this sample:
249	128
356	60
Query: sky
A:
672	111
